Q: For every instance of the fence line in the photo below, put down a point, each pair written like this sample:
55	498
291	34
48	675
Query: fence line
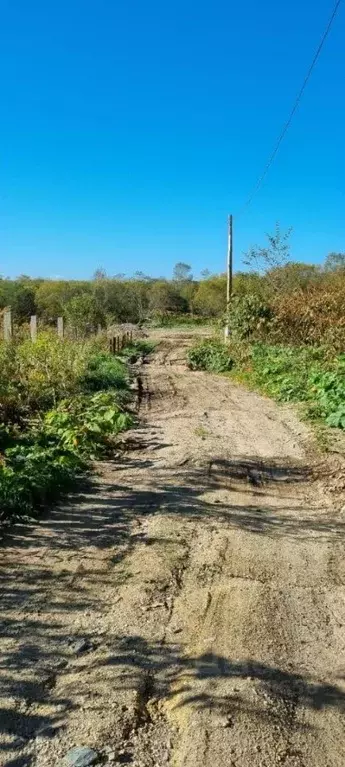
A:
7	327
116	343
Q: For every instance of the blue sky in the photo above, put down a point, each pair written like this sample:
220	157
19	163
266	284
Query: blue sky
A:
130	129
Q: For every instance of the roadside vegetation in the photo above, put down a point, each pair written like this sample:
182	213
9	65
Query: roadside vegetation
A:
287	331
62	405
287	373
212	355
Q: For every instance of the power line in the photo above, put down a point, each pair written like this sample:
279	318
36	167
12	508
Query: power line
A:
295	106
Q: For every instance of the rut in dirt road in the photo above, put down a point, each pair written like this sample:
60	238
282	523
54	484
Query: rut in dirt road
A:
188	609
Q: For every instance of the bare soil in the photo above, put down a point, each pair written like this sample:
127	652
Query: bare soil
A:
188	608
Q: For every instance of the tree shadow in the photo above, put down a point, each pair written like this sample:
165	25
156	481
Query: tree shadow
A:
177	676
103	514
35	651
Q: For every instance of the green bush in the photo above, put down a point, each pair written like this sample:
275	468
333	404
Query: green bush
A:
328	388
211	355
284	371
12	389
249	317
36	376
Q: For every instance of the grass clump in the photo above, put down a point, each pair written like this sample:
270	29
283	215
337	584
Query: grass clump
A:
102	372
201	432
137	350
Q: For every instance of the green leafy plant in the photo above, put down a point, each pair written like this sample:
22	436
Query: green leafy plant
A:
211	355
84	424
31	475
54	451
328	389
298	374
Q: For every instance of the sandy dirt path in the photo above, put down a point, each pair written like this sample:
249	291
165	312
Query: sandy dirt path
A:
188	609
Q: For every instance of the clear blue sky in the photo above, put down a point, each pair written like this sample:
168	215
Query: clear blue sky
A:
130	129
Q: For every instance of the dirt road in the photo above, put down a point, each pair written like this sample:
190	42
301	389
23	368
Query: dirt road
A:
187	610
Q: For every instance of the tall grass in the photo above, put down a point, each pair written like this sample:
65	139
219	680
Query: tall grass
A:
36	376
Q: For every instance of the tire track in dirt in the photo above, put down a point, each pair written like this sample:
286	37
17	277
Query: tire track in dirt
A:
204	572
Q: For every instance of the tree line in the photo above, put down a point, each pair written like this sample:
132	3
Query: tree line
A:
103	299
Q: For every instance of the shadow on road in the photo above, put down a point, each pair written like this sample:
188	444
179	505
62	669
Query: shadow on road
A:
34	651
176	675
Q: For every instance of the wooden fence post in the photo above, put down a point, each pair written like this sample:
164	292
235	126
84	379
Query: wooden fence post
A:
8	328
60	327
33	328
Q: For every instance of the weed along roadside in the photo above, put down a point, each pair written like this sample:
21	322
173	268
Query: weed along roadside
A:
312	375
63	404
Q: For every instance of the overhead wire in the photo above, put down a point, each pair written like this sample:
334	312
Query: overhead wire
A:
294	108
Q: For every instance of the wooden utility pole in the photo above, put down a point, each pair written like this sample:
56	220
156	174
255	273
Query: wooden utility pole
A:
229	274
